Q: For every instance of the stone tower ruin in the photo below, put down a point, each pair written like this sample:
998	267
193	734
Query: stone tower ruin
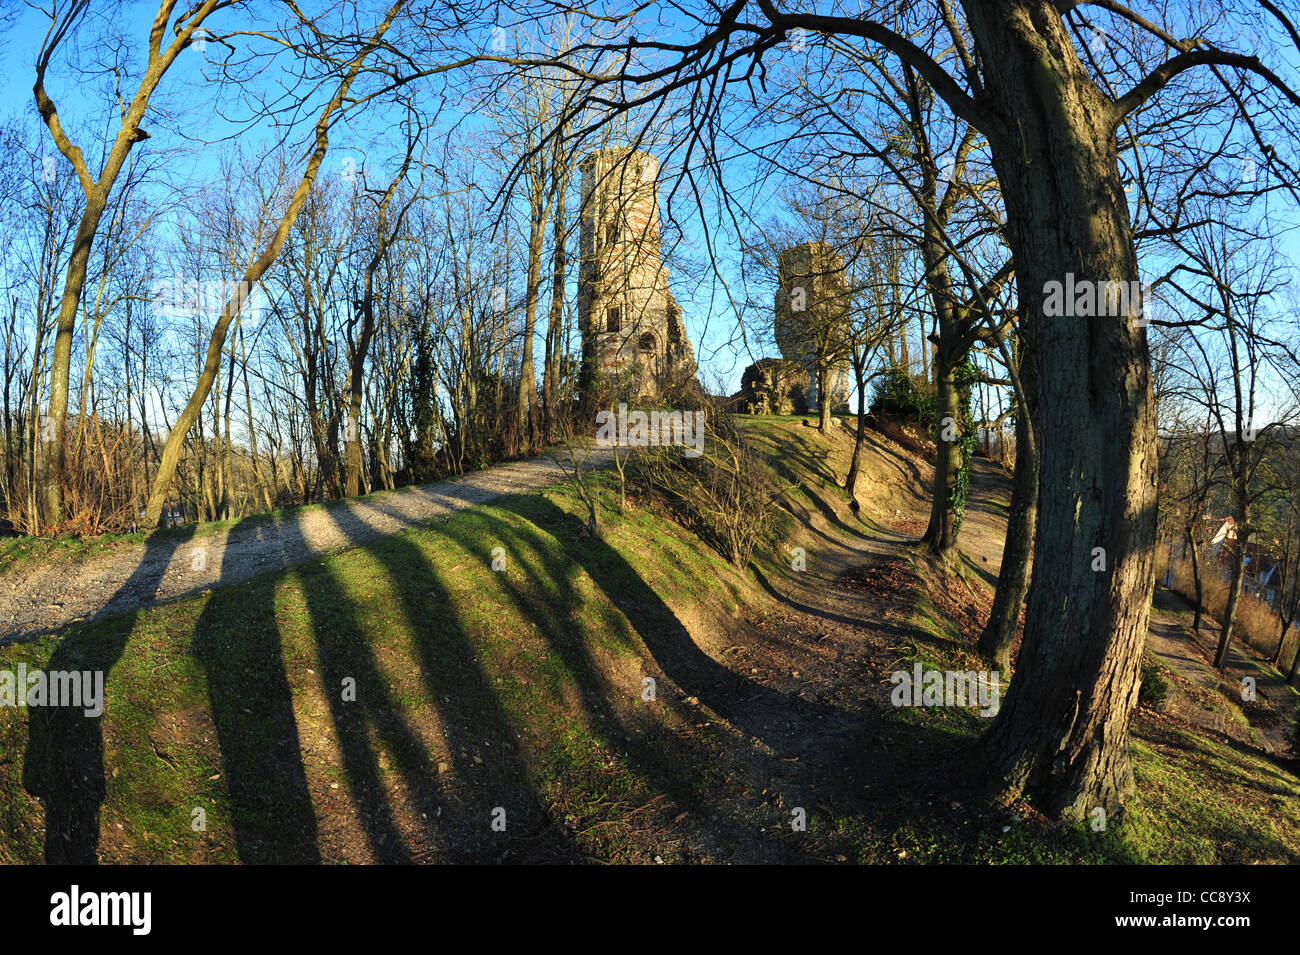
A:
631	325
812	316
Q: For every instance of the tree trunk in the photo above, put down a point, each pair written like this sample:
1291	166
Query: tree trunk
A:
555	324
225	507
1017	551
354	461
925	350
1062	734
823	399
252	430
1234	599
941	534
1197	583
1286	608
851	481
1281	642
527	373
950	328
53	478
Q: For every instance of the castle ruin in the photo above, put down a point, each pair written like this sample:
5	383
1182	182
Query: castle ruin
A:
630	322
811	318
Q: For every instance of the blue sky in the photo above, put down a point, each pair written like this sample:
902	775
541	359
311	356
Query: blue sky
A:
202	132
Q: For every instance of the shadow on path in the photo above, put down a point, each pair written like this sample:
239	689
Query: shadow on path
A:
252	709
64	763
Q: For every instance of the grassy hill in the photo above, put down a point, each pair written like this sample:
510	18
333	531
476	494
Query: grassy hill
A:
405	701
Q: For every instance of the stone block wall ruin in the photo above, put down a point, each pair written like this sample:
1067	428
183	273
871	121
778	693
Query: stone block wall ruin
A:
630	322
811	313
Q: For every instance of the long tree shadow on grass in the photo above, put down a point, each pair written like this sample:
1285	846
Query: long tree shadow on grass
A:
669	765
64	763
366	712
745	703
839	751
487	770
237	641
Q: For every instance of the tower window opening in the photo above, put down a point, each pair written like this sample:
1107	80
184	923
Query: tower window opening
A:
613	318
648	341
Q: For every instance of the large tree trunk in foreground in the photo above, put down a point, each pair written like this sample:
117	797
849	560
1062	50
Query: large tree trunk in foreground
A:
1062	734
1017	551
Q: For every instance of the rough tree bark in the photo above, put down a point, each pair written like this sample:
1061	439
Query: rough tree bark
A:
1062	732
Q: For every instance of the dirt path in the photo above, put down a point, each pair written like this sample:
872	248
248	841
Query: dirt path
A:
805	687
44	597
981	543
1168	640
1192	659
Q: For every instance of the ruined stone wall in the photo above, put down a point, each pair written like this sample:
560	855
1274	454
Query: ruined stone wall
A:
629	319
811	315
773	386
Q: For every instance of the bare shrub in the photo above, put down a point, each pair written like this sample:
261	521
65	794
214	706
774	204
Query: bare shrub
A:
99	493
724	495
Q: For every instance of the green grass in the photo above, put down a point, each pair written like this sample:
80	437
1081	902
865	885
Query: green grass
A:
443	650
19	553
522	689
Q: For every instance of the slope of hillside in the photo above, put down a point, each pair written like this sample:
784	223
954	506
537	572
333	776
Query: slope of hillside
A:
624	697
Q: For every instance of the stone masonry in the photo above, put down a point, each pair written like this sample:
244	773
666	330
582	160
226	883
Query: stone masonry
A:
812	314
631	324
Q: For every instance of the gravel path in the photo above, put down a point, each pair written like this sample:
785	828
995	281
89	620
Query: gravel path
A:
43	597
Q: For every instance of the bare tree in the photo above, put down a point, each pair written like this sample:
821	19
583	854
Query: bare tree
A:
257	267
1227	282
96	189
